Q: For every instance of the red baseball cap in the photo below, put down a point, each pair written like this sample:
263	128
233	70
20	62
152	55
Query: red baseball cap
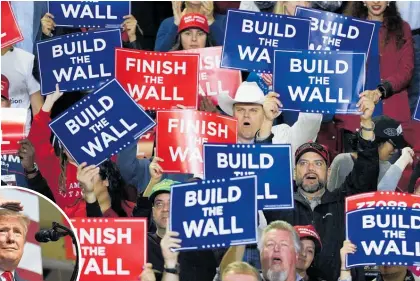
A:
4	87
308	231
193	20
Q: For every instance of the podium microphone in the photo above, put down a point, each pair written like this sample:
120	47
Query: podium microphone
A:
53	234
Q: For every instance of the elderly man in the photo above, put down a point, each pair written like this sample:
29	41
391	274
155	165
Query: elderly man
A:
13	230
256	112
279	247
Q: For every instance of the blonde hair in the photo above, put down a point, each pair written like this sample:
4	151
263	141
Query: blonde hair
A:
282	225
240	267
279	7
25	221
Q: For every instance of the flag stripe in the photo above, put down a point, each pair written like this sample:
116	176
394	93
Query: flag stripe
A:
29	275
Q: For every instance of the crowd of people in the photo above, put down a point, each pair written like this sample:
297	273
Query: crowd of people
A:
332	157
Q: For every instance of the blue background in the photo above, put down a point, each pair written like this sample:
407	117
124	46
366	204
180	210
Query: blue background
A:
280	186
367	29
351	82
47	63
234	37
356	234
245	210
124	108
118	9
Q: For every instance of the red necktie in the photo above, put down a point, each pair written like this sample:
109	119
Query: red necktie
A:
7	275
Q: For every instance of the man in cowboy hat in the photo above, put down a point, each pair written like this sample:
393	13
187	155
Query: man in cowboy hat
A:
256	113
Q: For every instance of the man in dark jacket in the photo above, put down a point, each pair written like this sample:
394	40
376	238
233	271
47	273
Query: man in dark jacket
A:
317	206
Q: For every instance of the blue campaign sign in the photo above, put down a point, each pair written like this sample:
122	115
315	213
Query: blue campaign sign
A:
337	32
319	81
416	115
215	213
384	236
251	38
101	125
265	161
90	14
77	61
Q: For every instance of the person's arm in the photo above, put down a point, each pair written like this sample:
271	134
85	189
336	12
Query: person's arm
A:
134	171
393	175
401	78
156	173
348	248
93	210
166	35
36	102
234	253
271	108
364	176
131	27
169	242
413	178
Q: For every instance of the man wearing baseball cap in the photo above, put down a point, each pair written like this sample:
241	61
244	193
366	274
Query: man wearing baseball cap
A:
255	112
5	102
316	205
389	138
310	247
193	265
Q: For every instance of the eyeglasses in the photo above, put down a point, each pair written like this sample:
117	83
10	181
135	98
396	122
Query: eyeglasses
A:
160	205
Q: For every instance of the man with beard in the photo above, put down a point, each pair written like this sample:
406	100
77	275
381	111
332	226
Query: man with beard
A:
316	205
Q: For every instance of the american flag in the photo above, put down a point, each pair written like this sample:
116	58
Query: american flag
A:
30	267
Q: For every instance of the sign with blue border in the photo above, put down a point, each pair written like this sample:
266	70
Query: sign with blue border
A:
215	213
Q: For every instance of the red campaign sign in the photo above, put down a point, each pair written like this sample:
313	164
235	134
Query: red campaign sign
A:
382	199
213	79
146	144
10	31
158	80
113	249
13	122
180	135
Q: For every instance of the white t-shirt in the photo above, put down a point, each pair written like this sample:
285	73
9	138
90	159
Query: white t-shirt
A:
17	66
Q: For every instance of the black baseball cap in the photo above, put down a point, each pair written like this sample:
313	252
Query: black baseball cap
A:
390	130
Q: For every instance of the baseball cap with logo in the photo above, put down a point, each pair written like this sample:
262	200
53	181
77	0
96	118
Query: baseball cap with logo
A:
4	87
308	231
313	147
193	20
390	130
163	186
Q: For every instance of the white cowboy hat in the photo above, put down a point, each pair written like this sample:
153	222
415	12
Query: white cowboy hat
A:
248	92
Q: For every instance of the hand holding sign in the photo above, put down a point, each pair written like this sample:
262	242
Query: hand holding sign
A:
374	95
27	154
348	248
51	99
87	176
147	274
47	24
129	25
168	243
366	106
271	106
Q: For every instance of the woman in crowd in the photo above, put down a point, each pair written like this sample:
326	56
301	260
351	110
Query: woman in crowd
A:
169	28
105	188
396	69
61	171
193	33
310	246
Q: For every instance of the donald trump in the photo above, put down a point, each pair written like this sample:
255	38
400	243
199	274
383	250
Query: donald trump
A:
13	229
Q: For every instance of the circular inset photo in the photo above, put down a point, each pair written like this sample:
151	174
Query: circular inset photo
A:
37	240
